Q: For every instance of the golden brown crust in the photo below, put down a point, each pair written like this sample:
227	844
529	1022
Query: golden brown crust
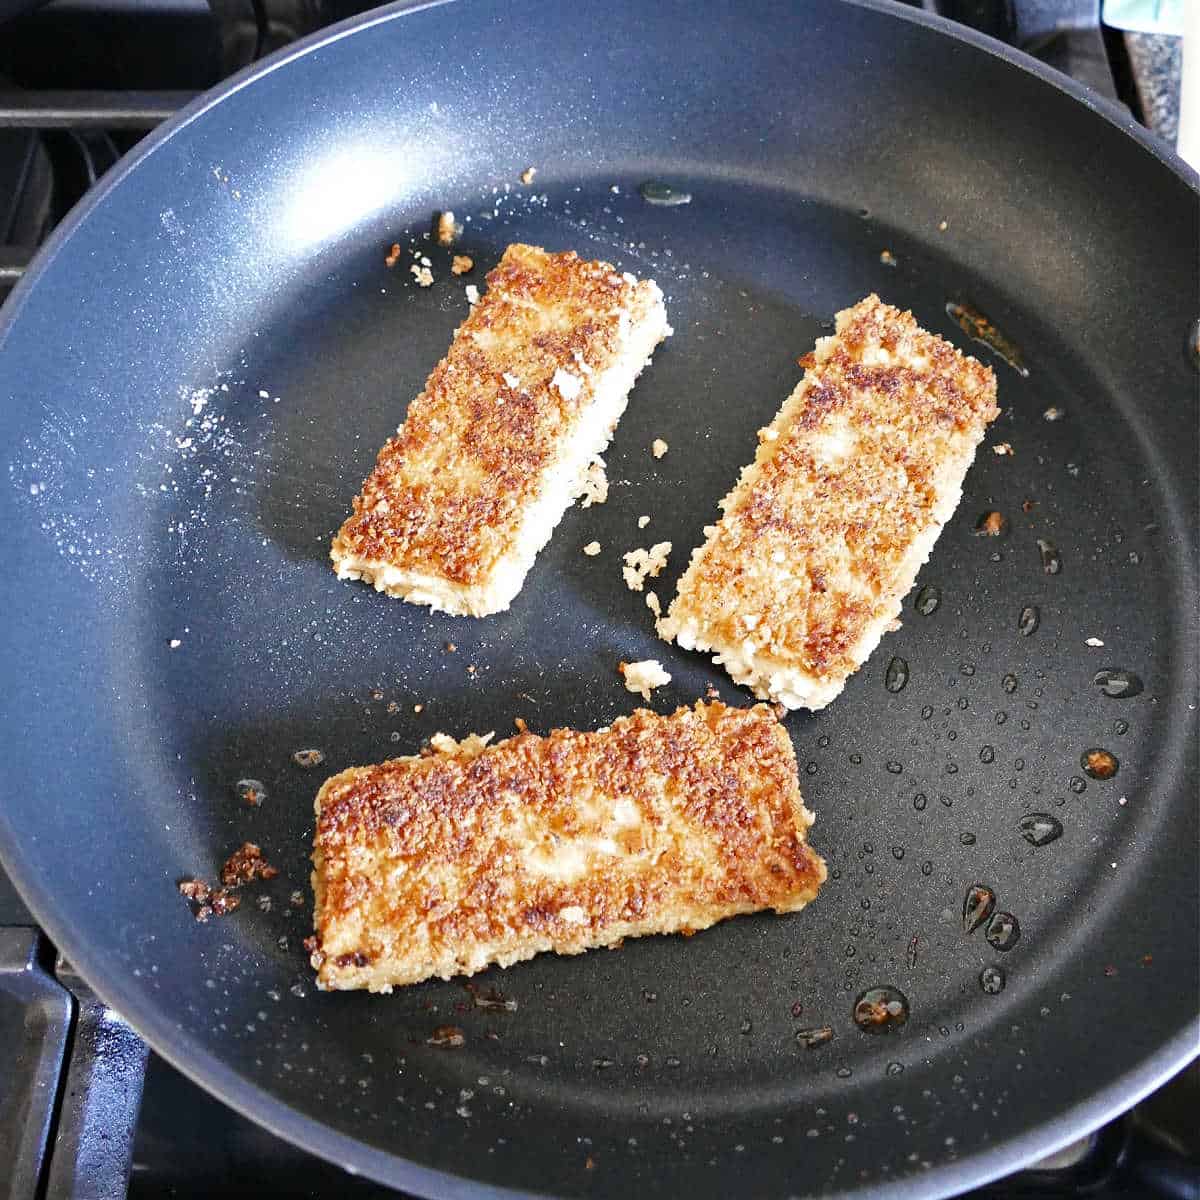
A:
826	530
442	864
449	492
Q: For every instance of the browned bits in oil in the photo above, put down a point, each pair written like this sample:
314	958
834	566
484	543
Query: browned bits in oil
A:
462	264
393	256
1099	764
881	1008
449	1036
519	723
245	865
224	901
1028	506
195	889
887	258
991	524
976	325
451	648
308	758
589	1163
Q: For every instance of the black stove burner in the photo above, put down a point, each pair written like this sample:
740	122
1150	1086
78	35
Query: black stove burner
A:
85	1110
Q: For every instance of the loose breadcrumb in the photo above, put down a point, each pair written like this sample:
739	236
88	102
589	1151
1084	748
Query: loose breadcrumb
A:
1002	448
423	275
643	521
642	564
653	605
461	264
887	258
393	256
472	293
527	175
446	229
592	549
658	447
594	486
642	677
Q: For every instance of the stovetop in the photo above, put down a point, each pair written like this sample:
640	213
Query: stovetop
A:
85	1109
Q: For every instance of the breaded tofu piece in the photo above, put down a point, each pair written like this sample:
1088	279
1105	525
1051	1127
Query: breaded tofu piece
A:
826	530
495	448
443	864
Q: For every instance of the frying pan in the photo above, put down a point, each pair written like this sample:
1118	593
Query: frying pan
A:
196	375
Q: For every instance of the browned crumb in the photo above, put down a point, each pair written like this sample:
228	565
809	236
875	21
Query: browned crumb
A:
1028	505
195	889
658	447
224	901
943	226
445	228
461	264
245	865
423	275
527	175
472	669
393	256
991	524
451	648
446	1035
589	1163
521	727
1002	449
887	258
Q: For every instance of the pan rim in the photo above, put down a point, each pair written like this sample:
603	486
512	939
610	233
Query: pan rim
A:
263	1107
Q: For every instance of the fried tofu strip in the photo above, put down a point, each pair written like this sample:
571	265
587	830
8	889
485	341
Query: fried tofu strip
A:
826	530
501	439
470	855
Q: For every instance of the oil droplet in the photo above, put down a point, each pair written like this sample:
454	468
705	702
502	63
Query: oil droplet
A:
895	768
1003	931
992	980
492	1000
447	1036
1099	764
987	754
966	668
1077	784
250	791
1010	683
1051	559
896	676
1120	727
919	801
928	599
842	1073
881	1008
927	868
1040	829
898	853
966	838
977	906
927	712
895	1068
810	1039
974	324
1029	620
1120	685
654	191
308	758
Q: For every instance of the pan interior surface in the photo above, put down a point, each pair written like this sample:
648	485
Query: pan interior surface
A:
231	349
